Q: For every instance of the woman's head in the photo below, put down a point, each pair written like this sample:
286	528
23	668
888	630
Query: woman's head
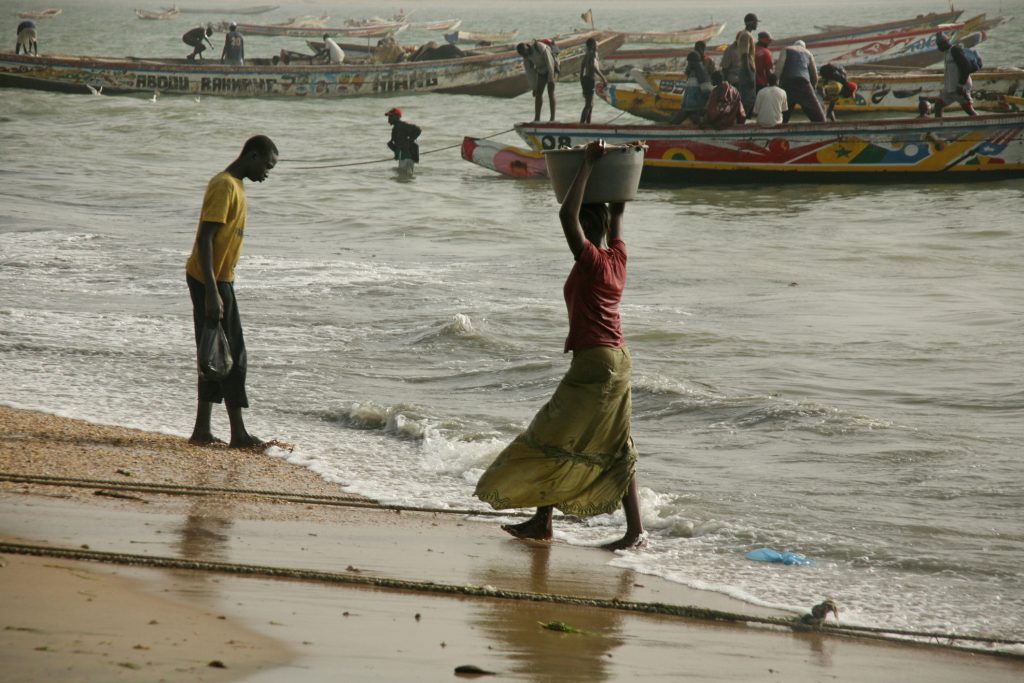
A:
594	219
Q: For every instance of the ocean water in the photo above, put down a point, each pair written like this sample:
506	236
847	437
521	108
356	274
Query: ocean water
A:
834	370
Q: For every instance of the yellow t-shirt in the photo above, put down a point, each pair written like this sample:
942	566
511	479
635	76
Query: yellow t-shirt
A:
224	202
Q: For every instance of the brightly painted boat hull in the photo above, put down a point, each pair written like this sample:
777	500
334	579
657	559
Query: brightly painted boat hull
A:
961	148
507	160
497	75
996	91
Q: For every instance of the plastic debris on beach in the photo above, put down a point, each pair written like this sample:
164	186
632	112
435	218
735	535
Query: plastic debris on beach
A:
769	555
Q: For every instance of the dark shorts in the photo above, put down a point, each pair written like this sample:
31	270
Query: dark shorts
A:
230	390
588	85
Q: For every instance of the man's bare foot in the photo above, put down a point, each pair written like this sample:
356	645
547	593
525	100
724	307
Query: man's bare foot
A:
532	529
248	442
628	542
204	440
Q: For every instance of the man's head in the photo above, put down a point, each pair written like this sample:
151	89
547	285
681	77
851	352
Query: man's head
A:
750	21
209	29
591	44
595	219
394	115
764	38
523	49
942	42
716	78
233	26
773	78
259	155
700	47
327	36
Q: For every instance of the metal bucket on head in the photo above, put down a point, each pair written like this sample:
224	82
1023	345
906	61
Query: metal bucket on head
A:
615	178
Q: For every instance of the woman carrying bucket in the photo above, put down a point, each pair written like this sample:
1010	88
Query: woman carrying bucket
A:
577	454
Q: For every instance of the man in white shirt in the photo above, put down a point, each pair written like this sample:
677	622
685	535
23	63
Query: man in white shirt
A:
334	52
770	103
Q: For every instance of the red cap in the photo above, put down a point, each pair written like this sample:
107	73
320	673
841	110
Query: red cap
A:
394	110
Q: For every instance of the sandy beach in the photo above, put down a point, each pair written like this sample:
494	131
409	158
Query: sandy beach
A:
294	579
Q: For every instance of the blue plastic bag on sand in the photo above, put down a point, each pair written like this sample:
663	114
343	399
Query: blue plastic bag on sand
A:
769	555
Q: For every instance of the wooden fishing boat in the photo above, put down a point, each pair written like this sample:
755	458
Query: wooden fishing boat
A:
41	14
443	25
874	98
480	37
157	15
950	148
685	36
228	10
912	48
318	30
931	20
508	160
498	75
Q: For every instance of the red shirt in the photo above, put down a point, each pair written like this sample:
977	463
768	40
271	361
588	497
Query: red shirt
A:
763	65
592	292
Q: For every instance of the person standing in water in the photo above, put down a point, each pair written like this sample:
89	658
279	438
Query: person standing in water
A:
210	274
590	71
403	140
577	454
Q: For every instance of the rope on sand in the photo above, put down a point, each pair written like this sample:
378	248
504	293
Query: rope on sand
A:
383	160
358	580
185	490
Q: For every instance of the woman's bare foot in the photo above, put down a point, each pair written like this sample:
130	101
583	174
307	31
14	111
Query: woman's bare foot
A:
537	528
532	530
628	542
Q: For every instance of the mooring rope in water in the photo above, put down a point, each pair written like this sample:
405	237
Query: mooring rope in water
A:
186	490
355	579
387	159
382	160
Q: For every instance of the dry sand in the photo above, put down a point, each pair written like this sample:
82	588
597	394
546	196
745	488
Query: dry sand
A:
74	620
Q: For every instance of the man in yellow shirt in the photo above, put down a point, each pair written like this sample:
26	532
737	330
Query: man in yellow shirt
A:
215	252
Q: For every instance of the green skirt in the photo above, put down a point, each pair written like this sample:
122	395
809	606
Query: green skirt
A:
577	454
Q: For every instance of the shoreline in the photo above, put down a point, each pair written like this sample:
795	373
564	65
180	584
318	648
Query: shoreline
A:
307	628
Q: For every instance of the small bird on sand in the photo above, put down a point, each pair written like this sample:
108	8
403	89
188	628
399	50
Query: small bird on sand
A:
93	90
820	612
156	95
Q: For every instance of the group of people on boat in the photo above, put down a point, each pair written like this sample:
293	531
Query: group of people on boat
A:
542	66
749	81
233	53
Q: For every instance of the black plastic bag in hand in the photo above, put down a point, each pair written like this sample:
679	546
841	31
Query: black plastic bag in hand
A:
214	355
